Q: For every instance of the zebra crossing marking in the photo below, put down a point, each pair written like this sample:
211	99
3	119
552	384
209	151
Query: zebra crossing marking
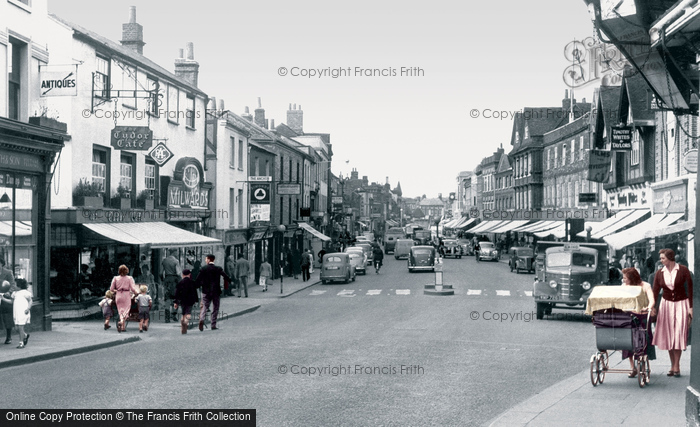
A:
346	293
528	293
403	292
316	292
474	292
503	293
373	292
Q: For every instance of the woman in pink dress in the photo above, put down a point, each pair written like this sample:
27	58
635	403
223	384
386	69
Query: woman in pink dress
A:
122	286
676	309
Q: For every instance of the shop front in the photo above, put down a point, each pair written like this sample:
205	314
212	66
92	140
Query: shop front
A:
260	248
26	156
676	196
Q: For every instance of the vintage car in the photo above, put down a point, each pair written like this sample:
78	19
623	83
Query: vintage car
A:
362	262
487	250
466	246
390	238
421	237
337	267
566	273
522	258
452	248
422	258
403	248
367	247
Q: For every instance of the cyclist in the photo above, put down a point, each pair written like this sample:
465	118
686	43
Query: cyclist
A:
477	248
378	258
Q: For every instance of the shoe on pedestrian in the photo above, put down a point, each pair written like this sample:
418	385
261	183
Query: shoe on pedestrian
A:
8	341
633	374
140	331
26	340
145	328
214	328
21	345
201	325
107	327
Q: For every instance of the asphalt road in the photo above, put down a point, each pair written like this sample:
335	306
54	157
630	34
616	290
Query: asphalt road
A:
372	352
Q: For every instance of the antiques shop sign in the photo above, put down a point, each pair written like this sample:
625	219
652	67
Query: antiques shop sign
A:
131	138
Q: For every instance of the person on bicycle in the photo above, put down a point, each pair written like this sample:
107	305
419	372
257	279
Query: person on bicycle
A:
378	257
477	248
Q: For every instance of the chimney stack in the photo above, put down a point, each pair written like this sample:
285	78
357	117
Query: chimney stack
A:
295	119
260	115
132	33
247	115
354	174
272	124
187	68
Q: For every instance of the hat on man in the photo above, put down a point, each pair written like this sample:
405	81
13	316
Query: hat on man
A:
186	272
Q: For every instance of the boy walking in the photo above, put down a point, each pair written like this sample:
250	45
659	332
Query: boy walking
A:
145	303
185	296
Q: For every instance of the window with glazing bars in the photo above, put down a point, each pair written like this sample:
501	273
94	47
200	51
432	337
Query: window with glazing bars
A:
99	170
125	175
150	173
101	82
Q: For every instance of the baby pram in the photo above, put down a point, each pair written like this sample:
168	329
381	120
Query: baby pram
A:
619	326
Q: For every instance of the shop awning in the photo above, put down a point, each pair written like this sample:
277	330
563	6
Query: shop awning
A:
558	231
616	223
362	223
157	234
22	229
455	222
597	227
509	225
306	227
392	223
538	226
638	232
467	222
486	226
681	227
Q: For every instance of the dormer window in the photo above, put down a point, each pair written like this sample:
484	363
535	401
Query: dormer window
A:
517	137
527	132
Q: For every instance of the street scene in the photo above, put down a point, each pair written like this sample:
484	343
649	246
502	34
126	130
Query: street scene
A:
476	219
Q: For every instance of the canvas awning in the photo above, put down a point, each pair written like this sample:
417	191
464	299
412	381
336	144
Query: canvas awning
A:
486	226
618	222
602	225
156	234
509	225
306	227
466	223
638	232
392	223
681	227
558	231
538	226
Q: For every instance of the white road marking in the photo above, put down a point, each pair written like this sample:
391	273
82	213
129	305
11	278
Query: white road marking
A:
403	292
314	293
528	293
474	292
374	292
346	293
503	293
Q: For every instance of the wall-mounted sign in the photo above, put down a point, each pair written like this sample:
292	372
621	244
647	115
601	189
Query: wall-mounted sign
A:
259	178
260	194
58	83
671	199
599	165
628	198
337	200
20	161
259	212
288	189
621	138
188	189
690	160
587	198
161	154
131	138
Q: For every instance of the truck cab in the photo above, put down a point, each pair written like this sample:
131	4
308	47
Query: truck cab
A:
566	273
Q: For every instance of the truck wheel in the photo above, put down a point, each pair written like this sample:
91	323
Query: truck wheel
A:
540	310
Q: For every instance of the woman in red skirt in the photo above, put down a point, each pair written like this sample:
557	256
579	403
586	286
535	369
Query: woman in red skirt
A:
122	286
675	310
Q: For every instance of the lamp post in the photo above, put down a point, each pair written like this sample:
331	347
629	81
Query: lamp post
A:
281	228
588	233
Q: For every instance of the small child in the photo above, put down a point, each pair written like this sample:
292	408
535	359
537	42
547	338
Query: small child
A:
21	310
145	302
106	305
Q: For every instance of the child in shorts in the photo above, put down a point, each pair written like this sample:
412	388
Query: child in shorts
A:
144	302
106	305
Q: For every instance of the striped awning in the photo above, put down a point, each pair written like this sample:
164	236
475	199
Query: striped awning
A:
618	221
638	232
157	234
509	225
486	226
558	231
466	223
538	226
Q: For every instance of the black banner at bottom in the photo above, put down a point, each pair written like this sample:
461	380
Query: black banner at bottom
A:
116	417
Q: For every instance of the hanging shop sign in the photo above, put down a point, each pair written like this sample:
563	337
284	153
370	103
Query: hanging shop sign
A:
188	189
621	138
161	154
599	165
259	212
58	83
690	160
288	189
337	200
131	138
259	193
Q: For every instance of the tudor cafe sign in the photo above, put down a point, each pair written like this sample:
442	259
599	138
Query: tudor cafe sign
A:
188	189
131	138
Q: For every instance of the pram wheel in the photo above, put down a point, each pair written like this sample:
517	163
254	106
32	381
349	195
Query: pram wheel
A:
598	367
594	370
644	371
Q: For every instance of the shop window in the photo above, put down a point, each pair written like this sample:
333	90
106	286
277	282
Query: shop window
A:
14	77
102	77
99	168
125	172
190	113
63	237
150	173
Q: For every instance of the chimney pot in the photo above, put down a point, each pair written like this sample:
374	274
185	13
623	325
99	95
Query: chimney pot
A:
272	123
211	105
290	105
181	53
259	103
132	14
221	105
267	124
190	51
247	110
566	93
295	106
299	107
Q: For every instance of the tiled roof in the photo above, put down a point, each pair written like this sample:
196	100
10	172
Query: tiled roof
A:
609	105
127	53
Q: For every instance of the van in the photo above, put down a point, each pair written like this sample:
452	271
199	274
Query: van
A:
390	238
402	248
337	267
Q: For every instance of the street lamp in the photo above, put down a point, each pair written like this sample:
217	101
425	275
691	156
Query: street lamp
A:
281	228
588	233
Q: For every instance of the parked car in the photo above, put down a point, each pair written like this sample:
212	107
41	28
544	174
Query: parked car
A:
390	238
488	251
522	258
368	251
422	258
337	267
466	246
362	262
402	248
453	248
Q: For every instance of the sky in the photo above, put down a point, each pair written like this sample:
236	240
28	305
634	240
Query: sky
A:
417	128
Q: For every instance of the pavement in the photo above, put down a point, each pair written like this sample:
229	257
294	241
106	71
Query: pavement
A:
80	336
